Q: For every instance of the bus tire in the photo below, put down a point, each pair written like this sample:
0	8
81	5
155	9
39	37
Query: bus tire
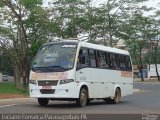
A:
115	99
108	100
117	96
88	101
43	101
83	97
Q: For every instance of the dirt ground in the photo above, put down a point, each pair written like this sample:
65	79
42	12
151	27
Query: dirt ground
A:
9	96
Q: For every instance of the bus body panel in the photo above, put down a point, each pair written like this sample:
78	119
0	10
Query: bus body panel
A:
104	86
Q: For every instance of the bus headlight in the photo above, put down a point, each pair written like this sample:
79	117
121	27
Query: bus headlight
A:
33	82
66	81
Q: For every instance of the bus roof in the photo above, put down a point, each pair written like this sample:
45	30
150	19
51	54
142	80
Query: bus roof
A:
105	48
91	45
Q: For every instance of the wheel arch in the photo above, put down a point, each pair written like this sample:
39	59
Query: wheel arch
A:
86	87
117	87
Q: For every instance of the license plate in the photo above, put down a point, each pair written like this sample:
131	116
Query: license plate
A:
46	87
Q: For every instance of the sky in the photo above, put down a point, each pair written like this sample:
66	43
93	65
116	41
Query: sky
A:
150	3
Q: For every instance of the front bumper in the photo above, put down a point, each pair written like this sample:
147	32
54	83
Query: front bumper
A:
69	90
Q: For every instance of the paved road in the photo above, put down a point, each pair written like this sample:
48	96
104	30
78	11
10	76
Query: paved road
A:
145	101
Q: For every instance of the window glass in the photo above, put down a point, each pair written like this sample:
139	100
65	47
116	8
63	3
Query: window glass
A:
117	61
92	58
113	61
122	63
55	56
101	59
83	59
107	60
128	64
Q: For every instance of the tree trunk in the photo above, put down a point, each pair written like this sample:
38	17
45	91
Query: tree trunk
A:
24	80
141	64
141	73
155	62
158	77
110	40
17	77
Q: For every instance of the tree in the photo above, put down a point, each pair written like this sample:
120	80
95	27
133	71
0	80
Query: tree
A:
138	32
113	17
155	39
22	26
68	16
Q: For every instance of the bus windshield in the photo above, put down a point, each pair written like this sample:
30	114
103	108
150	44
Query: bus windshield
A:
55	57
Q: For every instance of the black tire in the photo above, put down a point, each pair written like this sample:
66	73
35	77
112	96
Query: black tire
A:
43	101
88	101
83	98
115	99
117	96
108	100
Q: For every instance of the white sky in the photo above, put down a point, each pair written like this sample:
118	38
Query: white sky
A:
150	3
153	3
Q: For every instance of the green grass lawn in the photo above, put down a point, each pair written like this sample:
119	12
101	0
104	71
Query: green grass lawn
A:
10	88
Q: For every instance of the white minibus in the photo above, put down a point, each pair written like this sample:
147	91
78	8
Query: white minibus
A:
79	71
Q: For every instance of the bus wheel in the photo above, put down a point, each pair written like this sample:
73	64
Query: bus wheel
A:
117	96
43	101
108	100
83	97
88	101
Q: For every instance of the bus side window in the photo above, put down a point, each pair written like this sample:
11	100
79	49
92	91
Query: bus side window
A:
122	63
107	59
102	61
117	61
92	58
128	64
97	59
83	60
113	61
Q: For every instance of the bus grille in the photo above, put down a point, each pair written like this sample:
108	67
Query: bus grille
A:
48	82
47	91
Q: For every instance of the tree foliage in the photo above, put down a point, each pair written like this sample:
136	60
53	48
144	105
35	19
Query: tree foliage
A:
26	24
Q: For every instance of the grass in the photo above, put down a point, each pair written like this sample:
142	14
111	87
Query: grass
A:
10	88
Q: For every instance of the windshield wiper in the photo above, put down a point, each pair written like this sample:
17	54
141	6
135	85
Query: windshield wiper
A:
41	68
50	68
56	66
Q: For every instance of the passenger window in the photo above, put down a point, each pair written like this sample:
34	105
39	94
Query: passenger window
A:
107	60
83	59
122	63
101	59
92	58
128	64
114	61
117	61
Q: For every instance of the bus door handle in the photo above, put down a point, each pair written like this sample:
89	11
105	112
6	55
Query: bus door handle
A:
124	83
102	82
80	72
113	83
